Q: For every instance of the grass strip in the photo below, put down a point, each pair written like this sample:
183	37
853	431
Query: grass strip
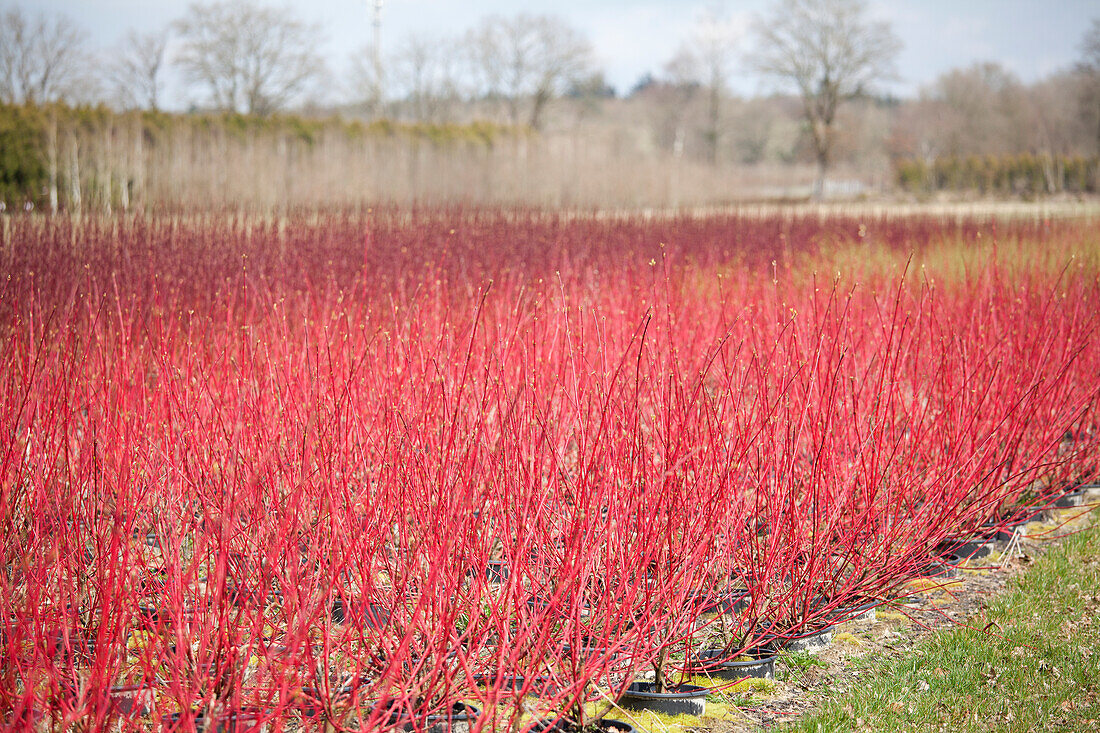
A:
1031	661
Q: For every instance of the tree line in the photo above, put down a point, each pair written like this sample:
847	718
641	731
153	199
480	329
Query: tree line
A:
826	61
1022	174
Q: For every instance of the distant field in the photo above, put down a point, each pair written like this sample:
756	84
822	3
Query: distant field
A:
1084	208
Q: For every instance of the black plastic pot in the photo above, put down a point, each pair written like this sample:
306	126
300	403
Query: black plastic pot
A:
1004	533
717	663
680	700
969	548
153	580
152	618
497	572
735	601
536	687
1006	527
459	719
706	601
1023	515
944	566
244	721
809	641
603	725
586	650
244	597
81	644
1072	498
370	615
129	701
309	702
147	537
848	614
583	652
537	604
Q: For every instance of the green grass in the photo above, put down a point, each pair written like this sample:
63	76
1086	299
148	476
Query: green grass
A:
1035	666
801	660
793	665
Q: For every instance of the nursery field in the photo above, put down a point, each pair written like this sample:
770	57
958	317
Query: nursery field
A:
496	470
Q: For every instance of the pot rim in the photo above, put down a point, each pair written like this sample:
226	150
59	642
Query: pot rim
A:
717	662
684	691
545	725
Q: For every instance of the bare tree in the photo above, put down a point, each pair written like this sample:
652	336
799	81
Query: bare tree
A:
669	103
829	52
247	57
528	60
705	59
364	82
981	110
136	69
41	60
916	130
423	74
1089	69
1054	127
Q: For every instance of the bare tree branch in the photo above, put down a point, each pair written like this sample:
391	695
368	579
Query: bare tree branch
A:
425	77
528	60
41	60
1089	69
136	68
705	59
829	52
246	57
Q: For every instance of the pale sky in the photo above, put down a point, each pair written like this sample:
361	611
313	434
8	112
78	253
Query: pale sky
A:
1030	37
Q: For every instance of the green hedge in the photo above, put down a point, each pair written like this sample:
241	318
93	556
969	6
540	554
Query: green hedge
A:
25	132
1023	174
23	172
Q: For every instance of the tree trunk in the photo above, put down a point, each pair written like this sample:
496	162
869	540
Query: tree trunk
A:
51	162
822	136
513	110
819	180
539	103
660	683
107	168
137	175
1098	129
74	173
713	116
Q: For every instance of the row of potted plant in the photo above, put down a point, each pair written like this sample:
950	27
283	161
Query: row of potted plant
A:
364	506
